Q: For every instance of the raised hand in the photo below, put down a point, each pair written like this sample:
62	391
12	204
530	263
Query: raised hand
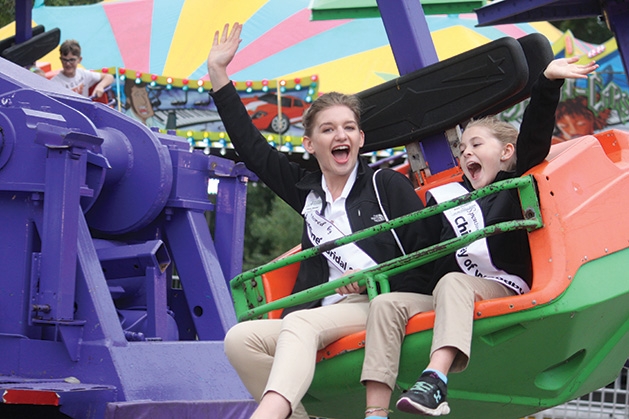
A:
566	68
223	50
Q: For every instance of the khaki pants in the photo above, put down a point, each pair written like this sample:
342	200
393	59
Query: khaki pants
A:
453	301
280	355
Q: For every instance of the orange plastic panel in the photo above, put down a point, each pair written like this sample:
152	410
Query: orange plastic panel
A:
583	184
279	283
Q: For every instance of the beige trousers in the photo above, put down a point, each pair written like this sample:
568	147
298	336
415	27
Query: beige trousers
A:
280	355
453	301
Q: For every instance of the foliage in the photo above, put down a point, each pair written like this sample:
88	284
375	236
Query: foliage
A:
7	7
69	2
590	30
271	228
7	12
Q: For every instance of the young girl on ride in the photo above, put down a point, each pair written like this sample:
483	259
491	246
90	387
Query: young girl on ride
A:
499	266
276	359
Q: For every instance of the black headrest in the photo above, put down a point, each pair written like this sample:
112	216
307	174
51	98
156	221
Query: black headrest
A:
486	79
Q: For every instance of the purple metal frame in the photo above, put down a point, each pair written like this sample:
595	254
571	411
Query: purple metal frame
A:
412	46
615	13
23	15
98	212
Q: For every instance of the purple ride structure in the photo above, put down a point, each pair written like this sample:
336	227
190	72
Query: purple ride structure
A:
97	213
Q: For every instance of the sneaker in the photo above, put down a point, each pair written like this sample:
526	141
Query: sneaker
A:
427	397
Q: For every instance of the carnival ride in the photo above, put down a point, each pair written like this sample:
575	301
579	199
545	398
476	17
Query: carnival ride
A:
115	296
97	211
570	334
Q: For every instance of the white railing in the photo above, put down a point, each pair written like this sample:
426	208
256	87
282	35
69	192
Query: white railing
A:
610	402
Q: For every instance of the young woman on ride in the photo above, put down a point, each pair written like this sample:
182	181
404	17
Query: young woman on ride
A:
276	359
499	266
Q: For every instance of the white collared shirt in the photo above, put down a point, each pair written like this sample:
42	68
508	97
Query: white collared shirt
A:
336	213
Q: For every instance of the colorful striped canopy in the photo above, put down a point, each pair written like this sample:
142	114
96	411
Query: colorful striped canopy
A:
280	41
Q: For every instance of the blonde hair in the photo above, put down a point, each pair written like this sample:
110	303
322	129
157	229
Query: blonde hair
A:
501	130
326	101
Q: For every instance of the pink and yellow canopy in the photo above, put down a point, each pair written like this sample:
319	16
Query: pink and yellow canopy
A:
280	41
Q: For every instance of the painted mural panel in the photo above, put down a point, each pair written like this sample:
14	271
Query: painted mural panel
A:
588	106
185	107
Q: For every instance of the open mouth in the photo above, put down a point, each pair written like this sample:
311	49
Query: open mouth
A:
341	153
473	169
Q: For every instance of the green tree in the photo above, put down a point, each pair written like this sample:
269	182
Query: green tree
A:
7	12
69	2
7	7
271	228
590	30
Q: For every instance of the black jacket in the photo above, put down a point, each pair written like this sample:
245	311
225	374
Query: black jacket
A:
293	184
509	252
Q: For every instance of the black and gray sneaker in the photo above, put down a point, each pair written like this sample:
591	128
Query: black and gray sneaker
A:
427	397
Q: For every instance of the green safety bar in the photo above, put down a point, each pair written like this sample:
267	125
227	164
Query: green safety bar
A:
249	301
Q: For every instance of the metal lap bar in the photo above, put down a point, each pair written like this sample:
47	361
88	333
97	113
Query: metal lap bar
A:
379	274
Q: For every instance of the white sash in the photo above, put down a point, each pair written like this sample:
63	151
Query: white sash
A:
321	230
474	259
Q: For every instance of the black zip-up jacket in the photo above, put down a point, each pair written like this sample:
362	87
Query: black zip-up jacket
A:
292	183
510	251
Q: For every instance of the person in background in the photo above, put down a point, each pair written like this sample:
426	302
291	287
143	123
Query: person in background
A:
78	79
498	266
275	358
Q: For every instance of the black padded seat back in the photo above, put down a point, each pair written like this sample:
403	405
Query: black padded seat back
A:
433	99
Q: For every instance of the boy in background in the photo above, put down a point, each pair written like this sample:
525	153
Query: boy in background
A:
78	79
